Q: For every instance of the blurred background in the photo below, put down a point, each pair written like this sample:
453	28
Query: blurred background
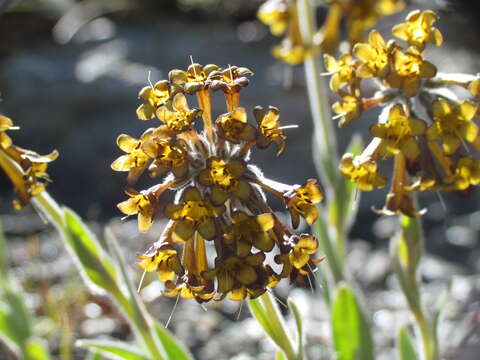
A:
70	72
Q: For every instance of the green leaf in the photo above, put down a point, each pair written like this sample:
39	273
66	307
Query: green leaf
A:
260	315
173	347
280	355
406	350
351	333
93	355
15	320
113	349
94	264
36	349
298	321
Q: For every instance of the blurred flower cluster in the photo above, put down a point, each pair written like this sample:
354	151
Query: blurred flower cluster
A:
219	201
358	15
26	169
424	125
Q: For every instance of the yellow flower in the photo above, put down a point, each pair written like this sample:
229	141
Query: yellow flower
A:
168	155
276	14
141	204
301	200
290	53
297	260
194	79
193	213
135	161
230	80
247	231
342	71
418	29
163	259
452	123
474	87
234	272
270	128
409	69
374	56
347	109
363	171
467	172
155	97
177	116
200	290
224	178
399	132
233	126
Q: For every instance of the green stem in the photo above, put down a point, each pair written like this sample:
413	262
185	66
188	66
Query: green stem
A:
329	249
407	250
278	324
324	135
49	208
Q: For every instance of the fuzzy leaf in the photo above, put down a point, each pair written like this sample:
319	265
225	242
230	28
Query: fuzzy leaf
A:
94	264
351	333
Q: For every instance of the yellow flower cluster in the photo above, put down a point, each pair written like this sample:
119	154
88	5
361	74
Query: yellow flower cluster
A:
26	169
423	125
282	18
219	200
359	15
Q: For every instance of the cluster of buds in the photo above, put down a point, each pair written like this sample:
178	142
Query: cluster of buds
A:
359	15
423	125
219	201
26	169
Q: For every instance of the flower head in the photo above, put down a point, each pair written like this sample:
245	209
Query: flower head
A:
418	29
26	169
219	200
423	125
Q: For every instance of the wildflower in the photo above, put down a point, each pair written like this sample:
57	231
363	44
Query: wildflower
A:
408	69
177	116
453	123
342	71
418	29
193	213
219	200
349	108
225	179
135	161
26	169
467	173
141	204
374	56
155	97
399	132
422	123
275	13
233	126
269	128
363	171
247	231
301	201
164	260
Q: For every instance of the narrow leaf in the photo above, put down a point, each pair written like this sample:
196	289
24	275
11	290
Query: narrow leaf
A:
298	321
93	262
113	349
351	333
15	320
406	350
280	355
173	347
35	349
